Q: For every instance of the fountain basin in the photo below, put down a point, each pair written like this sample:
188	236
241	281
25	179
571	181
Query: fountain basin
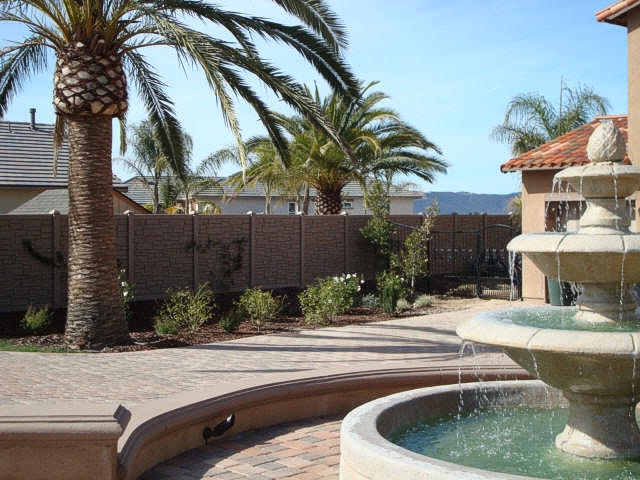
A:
366	454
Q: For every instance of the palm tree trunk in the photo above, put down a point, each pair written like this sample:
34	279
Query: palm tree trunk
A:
156	195
329	201
95	314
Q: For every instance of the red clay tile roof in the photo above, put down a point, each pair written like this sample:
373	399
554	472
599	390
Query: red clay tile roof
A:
617	12
564	151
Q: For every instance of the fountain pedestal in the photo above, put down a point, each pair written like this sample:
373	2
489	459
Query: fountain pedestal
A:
599	426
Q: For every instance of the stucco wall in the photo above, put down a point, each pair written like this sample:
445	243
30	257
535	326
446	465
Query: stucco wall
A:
535	185
11	198
633	56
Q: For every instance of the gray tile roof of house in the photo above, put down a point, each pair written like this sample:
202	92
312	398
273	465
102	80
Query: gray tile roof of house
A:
26	157
140	193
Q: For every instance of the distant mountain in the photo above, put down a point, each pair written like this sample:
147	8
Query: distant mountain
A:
465	202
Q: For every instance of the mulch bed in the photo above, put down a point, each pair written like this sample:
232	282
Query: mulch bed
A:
144	337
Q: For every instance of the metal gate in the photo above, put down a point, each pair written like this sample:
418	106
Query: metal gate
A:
474	263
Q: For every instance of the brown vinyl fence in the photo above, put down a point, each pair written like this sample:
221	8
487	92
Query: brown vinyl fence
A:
230	252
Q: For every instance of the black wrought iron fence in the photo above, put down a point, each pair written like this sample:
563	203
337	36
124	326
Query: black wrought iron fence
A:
470	263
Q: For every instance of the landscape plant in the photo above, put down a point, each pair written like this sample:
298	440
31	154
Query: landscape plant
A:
329	297
370	301
402	305
259	305
391	288
99	48
423	301
184	311
230	321
36	320
379	229
127	291
412	261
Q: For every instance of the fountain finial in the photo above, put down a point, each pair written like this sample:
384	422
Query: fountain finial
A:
606	144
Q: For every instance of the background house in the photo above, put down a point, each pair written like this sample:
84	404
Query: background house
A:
28	182
253	199
545	208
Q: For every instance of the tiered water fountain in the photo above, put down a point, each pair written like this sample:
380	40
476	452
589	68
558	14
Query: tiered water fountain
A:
589	352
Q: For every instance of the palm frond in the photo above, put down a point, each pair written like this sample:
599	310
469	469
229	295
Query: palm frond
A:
17	64
159	108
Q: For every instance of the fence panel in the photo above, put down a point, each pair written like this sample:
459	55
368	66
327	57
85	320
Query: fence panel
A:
230	252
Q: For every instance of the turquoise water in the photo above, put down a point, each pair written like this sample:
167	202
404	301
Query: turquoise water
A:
559	318
513	440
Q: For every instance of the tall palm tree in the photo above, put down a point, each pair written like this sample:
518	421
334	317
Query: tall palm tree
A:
531	119
150	162
98	47
380	141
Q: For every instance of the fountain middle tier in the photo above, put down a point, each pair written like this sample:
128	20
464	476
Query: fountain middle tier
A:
595	369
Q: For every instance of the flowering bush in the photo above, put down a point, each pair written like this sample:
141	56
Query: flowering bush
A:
329	297
127	290
391	288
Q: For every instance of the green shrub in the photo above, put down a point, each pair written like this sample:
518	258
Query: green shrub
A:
402	305
184	311
370	301
35	320
391	288
260	306
329	297
423	301
230	321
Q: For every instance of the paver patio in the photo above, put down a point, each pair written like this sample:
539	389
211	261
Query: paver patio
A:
136	378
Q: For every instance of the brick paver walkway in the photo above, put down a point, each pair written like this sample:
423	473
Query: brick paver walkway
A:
303	450
138	377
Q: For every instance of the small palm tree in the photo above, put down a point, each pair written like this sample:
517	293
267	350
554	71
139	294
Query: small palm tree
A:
150	163
98	47
381	142
531	120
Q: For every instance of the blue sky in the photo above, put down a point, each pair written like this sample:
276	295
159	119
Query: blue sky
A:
449	66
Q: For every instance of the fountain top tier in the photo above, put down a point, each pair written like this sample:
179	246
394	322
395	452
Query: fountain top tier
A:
603	255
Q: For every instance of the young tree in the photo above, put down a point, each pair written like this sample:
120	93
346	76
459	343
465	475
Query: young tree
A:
99	50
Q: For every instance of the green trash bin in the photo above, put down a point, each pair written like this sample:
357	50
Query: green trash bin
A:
555	292
561	294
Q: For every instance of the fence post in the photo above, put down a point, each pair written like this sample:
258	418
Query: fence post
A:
346	244
195	271
454	251
56	290
301	259
478	283
252	249
131	257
